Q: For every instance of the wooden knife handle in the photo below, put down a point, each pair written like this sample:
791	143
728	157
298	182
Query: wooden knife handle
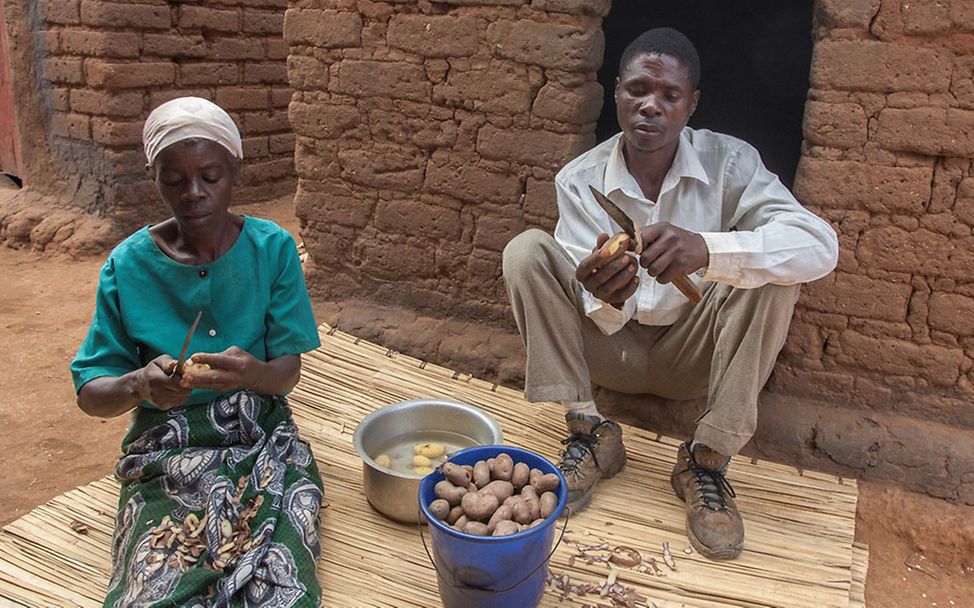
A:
689	289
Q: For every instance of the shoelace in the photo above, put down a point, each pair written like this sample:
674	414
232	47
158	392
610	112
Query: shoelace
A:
714	487
576	448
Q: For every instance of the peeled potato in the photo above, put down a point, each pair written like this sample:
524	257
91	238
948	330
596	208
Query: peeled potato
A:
430	449
423	470
383	460
191	367
421	461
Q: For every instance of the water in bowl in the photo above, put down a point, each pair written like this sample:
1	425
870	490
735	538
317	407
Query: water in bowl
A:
420	452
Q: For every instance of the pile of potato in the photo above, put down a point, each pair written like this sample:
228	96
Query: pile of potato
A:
427	456
494	497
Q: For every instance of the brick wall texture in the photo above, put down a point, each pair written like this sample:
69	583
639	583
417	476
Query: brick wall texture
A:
428	134
108	64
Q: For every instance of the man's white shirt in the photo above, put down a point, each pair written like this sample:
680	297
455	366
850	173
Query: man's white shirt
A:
717	186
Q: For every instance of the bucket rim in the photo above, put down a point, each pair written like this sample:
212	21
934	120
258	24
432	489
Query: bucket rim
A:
541	528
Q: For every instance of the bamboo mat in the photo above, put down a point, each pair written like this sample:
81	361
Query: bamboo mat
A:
799	550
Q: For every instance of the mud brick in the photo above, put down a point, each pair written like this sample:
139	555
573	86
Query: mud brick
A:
532	147
209	74
413	217
859	296
578	105
99	44
267	73
205	18
237	49
268	121
157	98
62	12
255	147
434	36
277	48
962	13
323	121
115	75
268	170
879	66
952	313
323	29
592	8
382	79
938	365
116	133
105	103
502	89
307	73
240	98
384	166
282	143
334	202
838	125
66	70
125	15
550	45
281	96
926	18
846	13
851	185
493	231
59	100
933	131
263	22
468	181
174	45
540	198
73	126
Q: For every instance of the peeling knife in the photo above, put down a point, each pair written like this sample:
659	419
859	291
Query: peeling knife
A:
684	284
178	370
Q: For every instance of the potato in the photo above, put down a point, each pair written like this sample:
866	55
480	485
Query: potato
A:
440	509
455	514
479	506
472	487
503	467
510	500
456	474
501	489
481	474
421	461
503	513
536	522
423	470
617	241
549	502
529	492
430	449
534	475
534	505
505	528
521	512
490	463
383	460
476	528
191	368
468	468
520	476
449	492
546	483
460	523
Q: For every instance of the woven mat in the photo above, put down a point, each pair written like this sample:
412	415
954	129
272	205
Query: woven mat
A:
799	550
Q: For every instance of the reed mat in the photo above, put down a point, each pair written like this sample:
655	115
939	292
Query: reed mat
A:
799	550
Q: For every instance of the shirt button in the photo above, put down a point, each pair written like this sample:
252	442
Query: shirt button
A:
203	273
212	332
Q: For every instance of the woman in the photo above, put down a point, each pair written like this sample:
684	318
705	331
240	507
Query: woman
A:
220	498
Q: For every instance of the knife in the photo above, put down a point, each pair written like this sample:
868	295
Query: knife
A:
178	370
684	284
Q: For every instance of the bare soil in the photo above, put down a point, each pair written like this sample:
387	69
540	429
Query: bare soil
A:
921	549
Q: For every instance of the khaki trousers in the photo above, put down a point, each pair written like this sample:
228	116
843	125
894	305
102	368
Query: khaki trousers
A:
725	347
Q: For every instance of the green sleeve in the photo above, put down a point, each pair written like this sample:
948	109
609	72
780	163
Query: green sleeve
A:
107	350
290	322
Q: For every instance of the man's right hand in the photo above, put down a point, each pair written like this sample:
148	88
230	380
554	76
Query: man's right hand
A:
610	277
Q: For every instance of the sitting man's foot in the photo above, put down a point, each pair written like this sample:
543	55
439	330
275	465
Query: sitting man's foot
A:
594	451
714	525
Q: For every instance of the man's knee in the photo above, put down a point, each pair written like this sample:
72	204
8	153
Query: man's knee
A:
526	253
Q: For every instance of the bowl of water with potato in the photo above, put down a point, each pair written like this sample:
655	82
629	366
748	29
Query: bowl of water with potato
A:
403	442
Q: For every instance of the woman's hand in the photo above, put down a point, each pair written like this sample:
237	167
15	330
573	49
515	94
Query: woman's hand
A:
110	396
610	277
159	386
235	368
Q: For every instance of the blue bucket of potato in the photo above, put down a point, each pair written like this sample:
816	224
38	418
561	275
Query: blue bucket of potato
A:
491	571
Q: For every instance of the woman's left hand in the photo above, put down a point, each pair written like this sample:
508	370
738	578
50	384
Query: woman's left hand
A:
233	368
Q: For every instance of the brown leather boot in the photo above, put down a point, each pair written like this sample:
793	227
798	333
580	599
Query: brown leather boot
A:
714	526
594	451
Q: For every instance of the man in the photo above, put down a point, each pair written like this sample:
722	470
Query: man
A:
706	207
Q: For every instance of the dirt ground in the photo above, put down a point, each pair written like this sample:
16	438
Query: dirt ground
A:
921	549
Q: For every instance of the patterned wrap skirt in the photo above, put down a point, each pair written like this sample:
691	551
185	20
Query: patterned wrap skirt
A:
219	507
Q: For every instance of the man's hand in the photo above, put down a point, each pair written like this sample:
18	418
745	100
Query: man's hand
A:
233	368
159	387
670	252
610	277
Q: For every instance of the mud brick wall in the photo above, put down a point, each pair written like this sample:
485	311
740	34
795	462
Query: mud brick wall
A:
889	138
102	66
428	135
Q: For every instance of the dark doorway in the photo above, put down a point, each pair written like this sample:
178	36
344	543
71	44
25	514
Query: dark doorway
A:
755	57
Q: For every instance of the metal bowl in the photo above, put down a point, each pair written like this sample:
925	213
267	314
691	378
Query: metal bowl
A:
396	495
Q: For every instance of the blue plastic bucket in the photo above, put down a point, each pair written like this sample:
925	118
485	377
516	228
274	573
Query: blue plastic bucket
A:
485	571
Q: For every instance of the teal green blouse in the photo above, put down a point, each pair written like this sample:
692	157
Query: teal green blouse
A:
253	296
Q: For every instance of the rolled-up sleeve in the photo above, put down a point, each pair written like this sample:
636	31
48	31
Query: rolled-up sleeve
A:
771	237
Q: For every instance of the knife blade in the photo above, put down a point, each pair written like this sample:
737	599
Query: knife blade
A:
178	370
687	287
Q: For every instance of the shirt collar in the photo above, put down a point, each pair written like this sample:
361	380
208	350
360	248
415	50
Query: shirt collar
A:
686	163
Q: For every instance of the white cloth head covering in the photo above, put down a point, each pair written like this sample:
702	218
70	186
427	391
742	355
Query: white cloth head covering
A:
188	118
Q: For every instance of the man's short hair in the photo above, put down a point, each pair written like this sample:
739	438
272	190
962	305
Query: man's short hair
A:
664	41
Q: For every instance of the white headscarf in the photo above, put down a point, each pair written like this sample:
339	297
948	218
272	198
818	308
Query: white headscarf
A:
188	118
